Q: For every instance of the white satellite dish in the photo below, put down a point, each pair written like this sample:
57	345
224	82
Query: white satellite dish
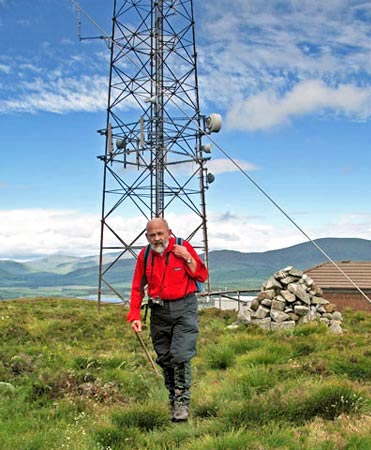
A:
214	123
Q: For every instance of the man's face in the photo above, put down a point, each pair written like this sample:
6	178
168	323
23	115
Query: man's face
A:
158	236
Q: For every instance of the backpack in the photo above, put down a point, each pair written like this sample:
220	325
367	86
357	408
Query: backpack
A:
179	241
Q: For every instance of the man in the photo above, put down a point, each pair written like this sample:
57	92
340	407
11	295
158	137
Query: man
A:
171	273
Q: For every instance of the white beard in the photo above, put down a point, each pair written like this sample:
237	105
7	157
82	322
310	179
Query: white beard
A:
160	247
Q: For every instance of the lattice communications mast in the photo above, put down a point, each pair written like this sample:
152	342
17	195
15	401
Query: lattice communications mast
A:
154	161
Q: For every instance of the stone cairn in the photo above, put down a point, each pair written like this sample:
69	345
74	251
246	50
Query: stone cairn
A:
290	298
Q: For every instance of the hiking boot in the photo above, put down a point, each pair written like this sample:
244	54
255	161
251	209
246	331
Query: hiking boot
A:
171	407
180	413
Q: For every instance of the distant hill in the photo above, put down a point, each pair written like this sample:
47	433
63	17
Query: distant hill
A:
227	265
228	268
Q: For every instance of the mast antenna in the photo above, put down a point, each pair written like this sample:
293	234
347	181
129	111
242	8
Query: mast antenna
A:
155	158
78	10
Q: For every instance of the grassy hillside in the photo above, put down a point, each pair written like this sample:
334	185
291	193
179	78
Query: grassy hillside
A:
54	263
73	379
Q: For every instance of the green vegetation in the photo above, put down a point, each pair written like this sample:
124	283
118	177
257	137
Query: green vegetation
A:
67	276
71	378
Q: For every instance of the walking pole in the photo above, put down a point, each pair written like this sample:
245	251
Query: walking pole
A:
147	353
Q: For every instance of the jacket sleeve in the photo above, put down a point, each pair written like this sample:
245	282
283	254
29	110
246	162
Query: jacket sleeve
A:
137	291
201	273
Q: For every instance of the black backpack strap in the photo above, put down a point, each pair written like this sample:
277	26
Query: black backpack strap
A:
146	256
179	241
144	279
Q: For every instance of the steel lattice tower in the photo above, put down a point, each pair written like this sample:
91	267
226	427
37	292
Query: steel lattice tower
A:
154	161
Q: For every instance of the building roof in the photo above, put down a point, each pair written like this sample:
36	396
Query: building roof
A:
328	276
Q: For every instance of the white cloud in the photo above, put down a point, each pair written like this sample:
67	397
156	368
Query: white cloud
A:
262	53
219	166
266	110
248	234
69	232
5	68
257	54
28	233
347	225
25	67
32	232
60	95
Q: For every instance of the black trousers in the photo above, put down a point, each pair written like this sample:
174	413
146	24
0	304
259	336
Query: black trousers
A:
174	332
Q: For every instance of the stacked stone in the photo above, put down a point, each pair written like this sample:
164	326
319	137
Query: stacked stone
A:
287	299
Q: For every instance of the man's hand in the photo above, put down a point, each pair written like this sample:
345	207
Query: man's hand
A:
136	325
181	252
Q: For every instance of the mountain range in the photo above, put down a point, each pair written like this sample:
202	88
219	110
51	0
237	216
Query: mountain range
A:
78	276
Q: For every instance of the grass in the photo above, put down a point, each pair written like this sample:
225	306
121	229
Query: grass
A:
71	378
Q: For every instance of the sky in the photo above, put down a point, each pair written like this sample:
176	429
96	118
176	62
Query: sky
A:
291	79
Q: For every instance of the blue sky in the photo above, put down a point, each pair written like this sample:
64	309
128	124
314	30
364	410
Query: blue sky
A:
292	80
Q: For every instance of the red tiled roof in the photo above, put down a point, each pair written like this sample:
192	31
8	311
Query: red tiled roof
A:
327	276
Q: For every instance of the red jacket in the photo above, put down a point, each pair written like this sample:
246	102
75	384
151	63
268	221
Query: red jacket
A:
169	278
